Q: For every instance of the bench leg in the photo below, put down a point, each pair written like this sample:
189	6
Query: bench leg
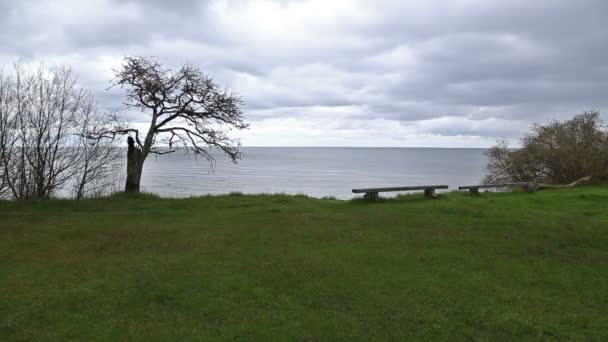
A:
430	193
371	196
474	191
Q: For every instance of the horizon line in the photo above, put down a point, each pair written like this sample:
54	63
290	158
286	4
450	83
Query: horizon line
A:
429	147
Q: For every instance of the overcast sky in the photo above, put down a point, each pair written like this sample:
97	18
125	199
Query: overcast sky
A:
344	73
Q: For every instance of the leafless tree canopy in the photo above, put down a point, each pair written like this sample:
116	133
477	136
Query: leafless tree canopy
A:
559	152
43	114
187	109
99	163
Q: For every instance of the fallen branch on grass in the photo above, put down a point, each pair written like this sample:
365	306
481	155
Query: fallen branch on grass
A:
571	185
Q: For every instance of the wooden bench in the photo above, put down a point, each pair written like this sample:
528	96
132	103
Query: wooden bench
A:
474	189
371	194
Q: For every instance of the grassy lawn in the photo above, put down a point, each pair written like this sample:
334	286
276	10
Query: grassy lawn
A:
511	266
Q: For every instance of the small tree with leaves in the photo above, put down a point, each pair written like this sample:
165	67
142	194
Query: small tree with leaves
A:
186	109
558	152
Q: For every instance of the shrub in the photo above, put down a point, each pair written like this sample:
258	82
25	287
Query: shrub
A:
558	152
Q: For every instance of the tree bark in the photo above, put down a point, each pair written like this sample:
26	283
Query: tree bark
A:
134	166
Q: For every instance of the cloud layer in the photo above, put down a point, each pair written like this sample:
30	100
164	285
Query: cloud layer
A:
354	73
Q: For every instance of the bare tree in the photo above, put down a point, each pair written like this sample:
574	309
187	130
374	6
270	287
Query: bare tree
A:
187	110
94	175
7	136
11	155
42	116
558	152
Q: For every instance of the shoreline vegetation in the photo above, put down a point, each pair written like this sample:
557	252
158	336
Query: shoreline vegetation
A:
499	266
54	134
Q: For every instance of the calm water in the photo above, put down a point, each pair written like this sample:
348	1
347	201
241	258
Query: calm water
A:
316	172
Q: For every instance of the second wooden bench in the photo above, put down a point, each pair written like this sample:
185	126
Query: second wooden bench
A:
371	194
474	189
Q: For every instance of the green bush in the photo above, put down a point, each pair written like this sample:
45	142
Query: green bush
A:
558	152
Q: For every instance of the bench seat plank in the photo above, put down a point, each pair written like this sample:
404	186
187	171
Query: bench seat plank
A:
400	188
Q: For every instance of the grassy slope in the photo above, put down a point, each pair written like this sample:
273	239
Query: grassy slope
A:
499	266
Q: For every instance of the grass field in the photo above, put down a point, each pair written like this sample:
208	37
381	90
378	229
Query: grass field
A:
510	266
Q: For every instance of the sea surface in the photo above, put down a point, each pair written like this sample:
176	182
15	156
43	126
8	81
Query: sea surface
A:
316	172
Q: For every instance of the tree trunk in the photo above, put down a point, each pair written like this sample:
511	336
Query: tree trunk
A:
81	185
134	166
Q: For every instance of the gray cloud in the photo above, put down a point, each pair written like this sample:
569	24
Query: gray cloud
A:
463	68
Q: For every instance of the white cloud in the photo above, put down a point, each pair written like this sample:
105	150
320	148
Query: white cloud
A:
347	73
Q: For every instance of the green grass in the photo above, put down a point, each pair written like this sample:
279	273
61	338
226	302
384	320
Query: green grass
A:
510	266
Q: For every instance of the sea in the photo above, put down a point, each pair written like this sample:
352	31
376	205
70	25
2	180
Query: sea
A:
316	172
